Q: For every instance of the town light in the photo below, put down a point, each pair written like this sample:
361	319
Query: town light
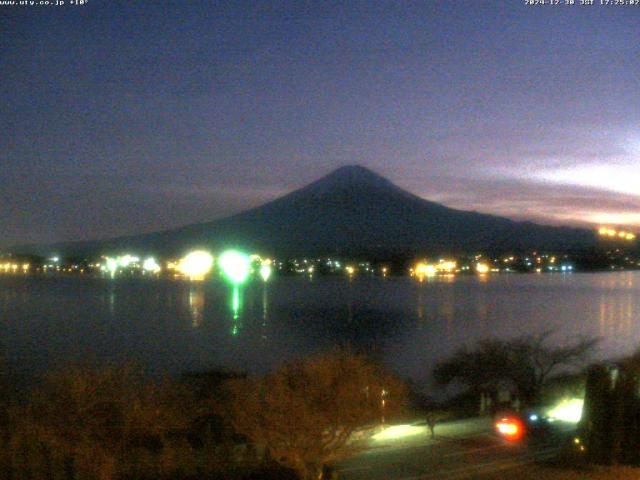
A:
265	271
425	269
235	266
482	268
126	260
196	264
446	266
150	265
111	265
613	233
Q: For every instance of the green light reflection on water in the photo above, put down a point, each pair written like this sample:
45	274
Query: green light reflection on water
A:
236	306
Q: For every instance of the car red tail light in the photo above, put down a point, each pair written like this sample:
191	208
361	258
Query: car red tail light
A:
510	428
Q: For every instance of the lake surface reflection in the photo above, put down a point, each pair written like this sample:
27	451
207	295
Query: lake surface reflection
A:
177	326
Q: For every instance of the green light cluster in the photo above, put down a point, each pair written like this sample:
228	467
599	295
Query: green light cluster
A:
235	266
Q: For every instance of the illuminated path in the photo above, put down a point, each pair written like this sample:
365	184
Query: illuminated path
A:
461	450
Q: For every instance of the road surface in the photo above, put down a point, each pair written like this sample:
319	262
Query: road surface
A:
461	449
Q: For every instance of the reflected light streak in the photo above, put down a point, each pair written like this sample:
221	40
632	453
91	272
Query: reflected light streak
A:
196	306
265	309
618	312
235	307
111	266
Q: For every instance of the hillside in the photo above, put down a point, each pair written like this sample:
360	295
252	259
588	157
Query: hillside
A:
351	211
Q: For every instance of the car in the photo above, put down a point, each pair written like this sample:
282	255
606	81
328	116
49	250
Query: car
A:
527	425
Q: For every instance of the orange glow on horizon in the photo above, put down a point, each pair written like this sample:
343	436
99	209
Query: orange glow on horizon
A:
616	234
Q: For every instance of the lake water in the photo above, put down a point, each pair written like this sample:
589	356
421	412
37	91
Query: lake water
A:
174	326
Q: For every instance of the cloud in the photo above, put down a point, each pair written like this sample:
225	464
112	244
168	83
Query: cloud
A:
524	199
237	194
620	177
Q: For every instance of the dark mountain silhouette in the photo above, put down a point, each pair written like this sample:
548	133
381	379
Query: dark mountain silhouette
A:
351	211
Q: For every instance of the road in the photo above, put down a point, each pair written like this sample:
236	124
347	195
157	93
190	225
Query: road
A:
461	449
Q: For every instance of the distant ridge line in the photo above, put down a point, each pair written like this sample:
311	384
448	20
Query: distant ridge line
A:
350	211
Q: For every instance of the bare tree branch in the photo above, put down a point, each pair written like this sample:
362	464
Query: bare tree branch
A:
305	413
527	362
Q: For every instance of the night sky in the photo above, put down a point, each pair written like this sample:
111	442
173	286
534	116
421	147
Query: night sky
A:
128	117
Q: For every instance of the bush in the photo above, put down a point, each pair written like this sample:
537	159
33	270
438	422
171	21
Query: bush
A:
306	412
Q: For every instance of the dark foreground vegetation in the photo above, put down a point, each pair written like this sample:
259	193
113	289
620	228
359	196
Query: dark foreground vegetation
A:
525	366
611	416
296	422
116	424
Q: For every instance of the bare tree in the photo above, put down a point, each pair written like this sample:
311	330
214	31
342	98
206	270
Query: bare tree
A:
527	362
534	361
480	369
305	413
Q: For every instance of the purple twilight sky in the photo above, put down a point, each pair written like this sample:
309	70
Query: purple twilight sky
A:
121	117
